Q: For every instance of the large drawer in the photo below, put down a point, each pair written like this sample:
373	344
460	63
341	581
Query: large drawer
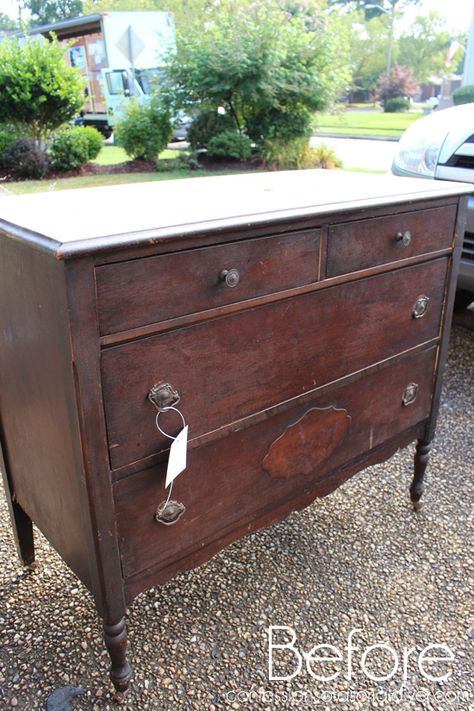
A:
366	243
233	366
236	479
153	289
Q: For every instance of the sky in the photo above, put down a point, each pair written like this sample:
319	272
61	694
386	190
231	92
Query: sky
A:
458	13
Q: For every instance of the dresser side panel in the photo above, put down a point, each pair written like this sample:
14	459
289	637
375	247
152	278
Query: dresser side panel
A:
39	424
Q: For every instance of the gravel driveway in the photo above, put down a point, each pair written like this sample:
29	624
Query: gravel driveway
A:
358	559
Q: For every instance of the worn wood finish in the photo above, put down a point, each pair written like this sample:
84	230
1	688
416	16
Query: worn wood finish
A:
156	575
309	370
362	244
39	419
241	485
143	286
368	320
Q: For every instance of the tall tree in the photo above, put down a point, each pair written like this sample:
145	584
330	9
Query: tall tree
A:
367	42
43	12
423	47
373	8
7	24
185	12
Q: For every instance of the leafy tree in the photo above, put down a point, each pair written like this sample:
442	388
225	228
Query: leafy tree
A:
398	82
185	14
258	63
39	91
373	8
7	24
423	48
43	12
367	42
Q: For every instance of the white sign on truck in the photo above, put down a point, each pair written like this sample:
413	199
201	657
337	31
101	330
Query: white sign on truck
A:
118	53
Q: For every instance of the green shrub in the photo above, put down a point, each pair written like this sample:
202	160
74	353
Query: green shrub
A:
206	125
182	162
321	156
95	140
297	154
396	105
39	90
7	136
282	155
230	144
463	95
144	130
25	159
69	149
280	125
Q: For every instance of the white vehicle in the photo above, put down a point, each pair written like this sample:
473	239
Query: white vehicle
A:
118	53
441	146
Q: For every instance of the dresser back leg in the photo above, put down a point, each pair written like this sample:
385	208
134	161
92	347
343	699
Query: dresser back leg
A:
422	455
115	637
21	522
23	531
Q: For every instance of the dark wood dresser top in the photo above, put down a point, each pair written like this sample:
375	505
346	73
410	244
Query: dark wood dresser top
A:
72	222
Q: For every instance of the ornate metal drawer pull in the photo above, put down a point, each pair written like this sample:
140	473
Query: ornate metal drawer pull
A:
404	237
163	395
410	394
169	512
230	276
421	306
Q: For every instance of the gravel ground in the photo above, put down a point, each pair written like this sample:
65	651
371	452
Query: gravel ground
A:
358	559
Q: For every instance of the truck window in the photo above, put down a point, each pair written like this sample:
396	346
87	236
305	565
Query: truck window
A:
147	78
115	83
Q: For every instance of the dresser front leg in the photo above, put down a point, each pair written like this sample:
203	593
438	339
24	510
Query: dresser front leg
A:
115	637
422	456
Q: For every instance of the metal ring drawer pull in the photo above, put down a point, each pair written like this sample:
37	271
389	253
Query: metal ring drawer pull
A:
230	276
404	238
409	396
421	306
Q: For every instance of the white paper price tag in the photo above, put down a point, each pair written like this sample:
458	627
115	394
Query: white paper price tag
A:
177	458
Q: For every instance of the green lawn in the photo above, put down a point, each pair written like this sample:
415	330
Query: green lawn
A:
93	181
370	123
110	155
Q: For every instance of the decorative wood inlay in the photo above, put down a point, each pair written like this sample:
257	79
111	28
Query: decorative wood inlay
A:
306	443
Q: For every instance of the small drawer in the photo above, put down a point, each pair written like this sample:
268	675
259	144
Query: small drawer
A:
154	289
239	478
231	367
366	243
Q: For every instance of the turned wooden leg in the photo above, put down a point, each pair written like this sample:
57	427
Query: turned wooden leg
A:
115	636
422	456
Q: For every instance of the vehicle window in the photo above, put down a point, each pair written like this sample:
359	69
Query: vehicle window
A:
115	82
147	78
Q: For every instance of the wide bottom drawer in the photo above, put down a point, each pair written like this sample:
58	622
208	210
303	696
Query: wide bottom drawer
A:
238	478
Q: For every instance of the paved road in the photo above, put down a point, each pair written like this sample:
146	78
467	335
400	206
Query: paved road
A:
360	152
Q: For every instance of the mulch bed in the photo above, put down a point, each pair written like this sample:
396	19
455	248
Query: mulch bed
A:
141	166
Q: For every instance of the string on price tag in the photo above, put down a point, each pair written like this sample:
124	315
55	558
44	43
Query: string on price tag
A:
178	449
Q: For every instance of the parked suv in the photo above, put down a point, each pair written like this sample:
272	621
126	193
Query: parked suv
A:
441	146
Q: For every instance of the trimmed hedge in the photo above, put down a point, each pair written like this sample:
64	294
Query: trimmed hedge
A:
230	144
463	95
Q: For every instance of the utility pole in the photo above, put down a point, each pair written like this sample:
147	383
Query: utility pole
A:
391	28
390	36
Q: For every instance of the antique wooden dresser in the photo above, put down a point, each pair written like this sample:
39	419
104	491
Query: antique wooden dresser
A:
296	322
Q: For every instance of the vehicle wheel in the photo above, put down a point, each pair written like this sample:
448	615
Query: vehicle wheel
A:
462	299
